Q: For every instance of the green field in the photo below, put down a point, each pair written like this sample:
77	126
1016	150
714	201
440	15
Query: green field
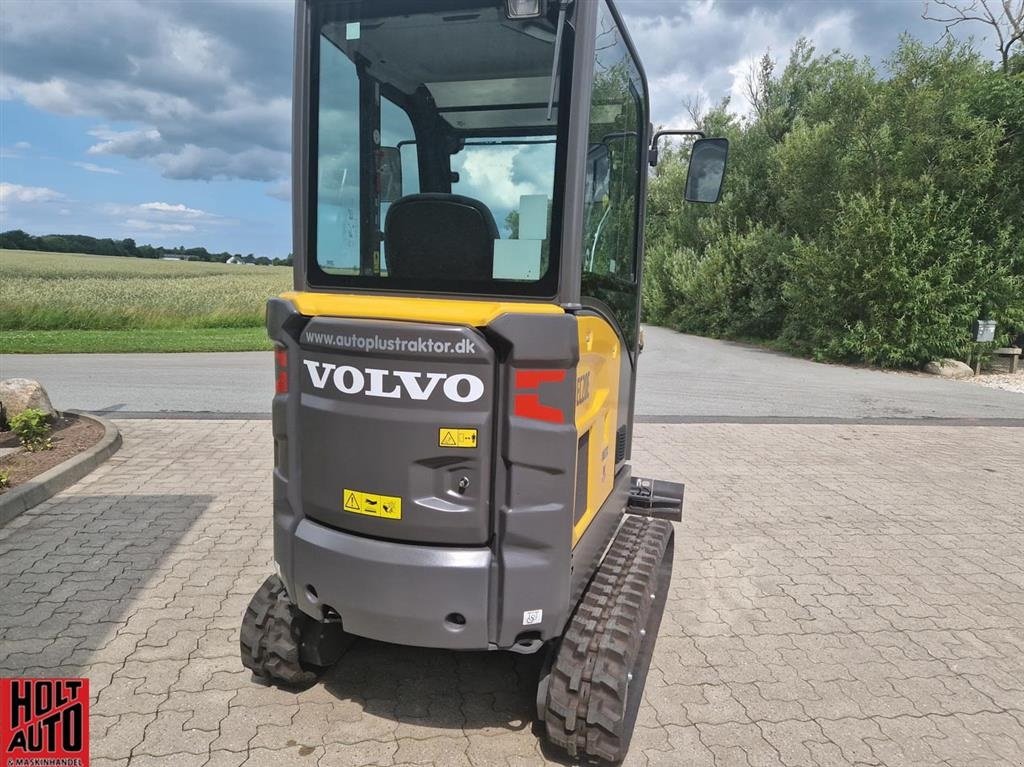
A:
61	302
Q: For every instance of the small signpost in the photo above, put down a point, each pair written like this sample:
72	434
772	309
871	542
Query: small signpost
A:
983	332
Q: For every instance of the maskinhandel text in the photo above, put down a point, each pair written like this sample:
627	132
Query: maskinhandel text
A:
385	344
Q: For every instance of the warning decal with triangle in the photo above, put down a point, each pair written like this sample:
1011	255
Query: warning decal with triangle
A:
371	504
456	437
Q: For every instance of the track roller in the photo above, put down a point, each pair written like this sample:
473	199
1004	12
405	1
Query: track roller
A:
283	645
589	697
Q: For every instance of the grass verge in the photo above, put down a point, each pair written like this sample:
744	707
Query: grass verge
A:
116	341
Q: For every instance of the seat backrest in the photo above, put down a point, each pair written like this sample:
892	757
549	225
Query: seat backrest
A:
437	235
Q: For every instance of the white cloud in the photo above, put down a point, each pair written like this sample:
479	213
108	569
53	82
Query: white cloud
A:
177	208
205	92
130	143
206	163
15	151
500	176
27	194
705	46
94	168
191	161
142	225
162	216
281	190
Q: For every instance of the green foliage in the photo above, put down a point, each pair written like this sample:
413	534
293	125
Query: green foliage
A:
33	429
144	340
5	480
733	289
865	218
895	282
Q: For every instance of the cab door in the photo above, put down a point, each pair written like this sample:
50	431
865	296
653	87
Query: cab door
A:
611	245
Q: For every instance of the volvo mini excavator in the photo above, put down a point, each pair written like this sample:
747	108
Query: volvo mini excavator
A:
456	365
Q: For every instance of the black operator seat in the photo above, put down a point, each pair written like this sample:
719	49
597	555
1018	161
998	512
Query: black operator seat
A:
440	236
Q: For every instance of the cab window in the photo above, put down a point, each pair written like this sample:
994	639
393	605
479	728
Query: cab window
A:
436	149
613	177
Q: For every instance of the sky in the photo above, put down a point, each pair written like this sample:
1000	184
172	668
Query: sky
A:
169	122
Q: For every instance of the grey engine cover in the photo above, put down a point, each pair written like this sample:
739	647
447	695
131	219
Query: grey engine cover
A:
373	399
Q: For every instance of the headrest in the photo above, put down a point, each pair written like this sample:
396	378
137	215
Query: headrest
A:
439	236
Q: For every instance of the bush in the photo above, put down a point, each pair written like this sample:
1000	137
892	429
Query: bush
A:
5	481
733	289
33	429
751	270
897	282
666	273
864	217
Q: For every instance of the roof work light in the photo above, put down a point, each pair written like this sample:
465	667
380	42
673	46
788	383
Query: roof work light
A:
522	9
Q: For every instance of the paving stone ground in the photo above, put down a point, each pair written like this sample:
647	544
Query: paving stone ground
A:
842	595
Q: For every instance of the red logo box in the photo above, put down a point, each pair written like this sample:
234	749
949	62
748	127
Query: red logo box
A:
44	722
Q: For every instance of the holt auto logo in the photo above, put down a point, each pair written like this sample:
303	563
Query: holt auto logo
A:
44	722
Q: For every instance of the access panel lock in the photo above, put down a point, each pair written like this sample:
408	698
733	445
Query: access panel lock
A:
656	498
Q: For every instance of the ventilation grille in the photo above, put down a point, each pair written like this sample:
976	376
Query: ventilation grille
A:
620	445
582	476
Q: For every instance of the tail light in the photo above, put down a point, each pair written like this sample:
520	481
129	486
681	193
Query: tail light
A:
280	369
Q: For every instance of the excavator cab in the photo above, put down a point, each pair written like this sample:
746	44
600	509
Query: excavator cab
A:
456	365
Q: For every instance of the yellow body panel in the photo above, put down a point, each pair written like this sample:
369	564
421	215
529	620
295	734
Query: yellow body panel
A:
448	311
597	402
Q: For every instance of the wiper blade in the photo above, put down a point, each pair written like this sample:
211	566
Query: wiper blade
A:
562	7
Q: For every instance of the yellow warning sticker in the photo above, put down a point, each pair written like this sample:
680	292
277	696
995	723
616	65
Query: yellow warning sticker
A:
456	437
371	504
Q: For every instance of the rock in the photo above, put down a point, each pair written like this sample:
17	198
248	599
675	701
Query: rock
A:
20	394
948	368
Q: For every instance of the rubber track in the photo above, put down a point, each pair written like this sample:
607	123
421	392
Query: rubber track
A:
270	636
588	710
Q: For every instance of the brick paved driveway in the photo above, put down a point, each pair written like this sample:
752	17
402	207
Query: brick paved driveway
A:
842	595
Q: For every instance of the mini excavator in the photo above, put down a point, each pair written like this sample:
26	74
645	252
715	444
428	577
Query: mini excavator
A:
456	365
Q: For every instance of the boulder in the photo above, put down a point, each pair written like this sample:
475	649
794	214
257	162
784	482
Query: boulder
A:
948	368
20	394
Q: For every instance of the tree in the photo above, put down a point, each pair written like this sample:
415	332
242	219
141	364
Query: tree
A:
864	217
16	239
1004	17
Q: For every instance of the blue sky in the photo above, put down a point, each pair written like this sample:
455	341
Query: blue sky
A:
117	196
169	122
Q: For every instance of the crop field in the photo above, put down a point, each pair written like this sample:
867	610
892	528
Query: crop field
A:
68	302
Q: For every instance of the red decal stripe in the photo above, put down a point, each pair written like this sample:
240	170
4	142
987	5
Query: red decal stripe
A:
529	406
531	379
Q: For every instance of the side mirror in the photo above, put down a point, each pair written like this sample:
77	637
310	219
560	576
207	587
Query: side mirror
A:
389	173
707	169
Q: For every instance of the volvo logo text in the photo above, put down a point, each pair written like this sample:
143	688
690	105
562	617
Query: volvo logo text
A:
394	384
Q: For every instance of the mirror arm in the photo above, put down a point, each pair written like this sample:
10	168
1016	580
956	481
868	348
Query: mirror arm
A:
652	155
